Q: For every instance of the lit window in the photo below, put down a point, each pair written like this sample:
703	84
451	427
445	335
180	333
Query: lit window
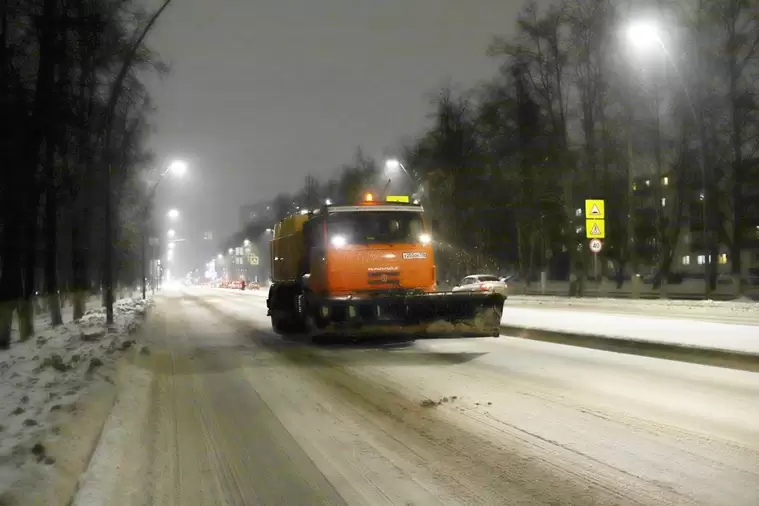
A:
686	260
578	212
635	186
648	182
665	181
578	230
701	196
663	202
723	259
701	259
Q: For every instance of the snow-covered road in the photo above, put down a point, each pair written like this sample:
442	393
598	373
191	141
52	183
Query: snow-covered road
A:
224	412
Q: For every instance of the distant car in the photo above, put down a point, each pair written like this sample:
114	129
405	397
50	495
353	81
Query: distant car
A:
254	286
482	283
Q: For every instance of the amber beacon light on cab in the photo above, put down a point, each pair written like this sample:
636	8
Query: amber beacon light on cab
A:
368	269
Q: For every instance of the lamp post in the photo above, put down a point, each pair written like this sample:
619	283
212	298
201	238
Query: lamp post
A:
177	168
643	36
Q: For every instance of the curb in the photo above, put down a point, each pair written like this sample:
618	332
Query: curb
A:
668	351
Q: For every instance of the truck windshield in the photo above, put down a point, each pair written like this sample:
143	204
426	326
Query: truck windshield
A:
375	227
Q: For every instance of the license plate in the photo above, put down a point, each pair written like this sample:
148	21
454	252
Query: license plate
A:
415	255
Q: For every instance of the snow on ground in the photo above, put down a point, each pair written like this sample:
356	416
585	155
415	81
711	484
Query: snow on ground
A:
48	374
654	304
701	334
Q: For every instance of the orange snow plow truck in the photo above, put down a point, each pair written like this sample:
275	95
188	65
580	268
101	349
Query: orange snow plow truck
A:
366	270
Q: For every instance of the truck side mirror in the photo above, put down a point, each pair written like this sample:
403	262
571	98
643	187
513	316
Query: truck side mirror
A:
435	225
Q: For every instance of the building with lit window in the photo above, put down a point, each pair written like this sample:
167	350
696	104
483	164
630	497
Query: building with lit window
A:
655	199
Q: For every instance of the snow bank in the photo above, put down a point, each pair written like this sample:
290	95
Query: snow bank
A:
49	373
742	306
700	334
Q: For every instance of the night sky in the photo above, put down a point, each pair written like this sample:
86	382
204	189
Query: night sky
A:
263	92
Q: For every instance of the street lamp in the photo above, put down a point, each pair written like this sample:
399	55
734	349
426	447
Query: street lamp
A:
644	35
392	165
219	256
231	250
327	202
246	242
177	168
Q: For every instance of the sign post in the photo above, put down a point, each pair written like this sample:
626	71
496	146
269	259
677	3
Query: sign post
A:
595	228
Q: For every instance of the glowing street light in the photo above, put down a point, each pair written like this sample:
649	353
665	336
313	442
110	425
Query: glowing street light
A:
246	242
327	201
172	233
177	167
393	164
219	256
173	214
231	250
644	35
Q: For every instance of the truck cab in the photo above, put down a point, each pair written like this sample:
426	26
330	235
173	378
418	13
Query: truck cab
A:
369	248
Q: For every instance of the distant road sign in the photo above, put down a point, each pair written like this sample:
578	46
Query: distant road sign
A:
595	209
596	245
595	229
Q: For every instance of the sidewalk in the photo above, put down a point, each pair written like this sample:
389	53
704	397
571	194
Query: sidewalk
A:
746	313
47	375
652	329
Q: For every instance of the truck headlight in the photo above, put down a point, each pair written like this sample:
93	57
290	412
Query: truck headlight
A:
338	240
425	238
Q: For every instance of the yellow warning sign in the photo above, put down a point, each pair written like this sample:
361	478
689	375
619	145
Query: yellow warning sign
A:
595	229
595	209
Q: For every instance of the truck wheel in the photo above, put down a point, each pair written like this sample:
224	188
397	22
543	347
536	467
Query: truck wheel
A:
285	325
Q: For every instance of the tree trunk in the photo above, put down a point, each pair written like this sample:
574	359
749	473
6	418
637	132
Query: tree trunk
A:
51	236
10	276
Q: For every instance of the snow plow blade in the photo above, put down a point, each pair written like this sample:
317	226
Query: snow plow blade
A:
435	315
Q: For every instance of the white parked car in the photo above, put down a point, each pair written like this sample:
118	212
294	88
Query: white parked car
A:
482	283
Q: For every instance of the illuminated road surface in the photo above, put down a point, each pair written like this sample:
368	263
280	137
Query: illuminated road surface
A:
222	411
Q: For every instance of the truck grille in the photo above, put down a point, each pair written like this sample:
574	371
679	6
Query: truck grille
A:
384	278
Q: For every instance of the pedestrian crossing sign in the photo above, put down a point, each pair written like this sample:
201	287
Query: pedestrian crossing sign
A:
595	209
595	229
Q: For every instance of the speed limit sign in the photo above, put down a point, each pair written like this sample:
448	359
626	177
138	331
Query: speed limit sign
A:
596	246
